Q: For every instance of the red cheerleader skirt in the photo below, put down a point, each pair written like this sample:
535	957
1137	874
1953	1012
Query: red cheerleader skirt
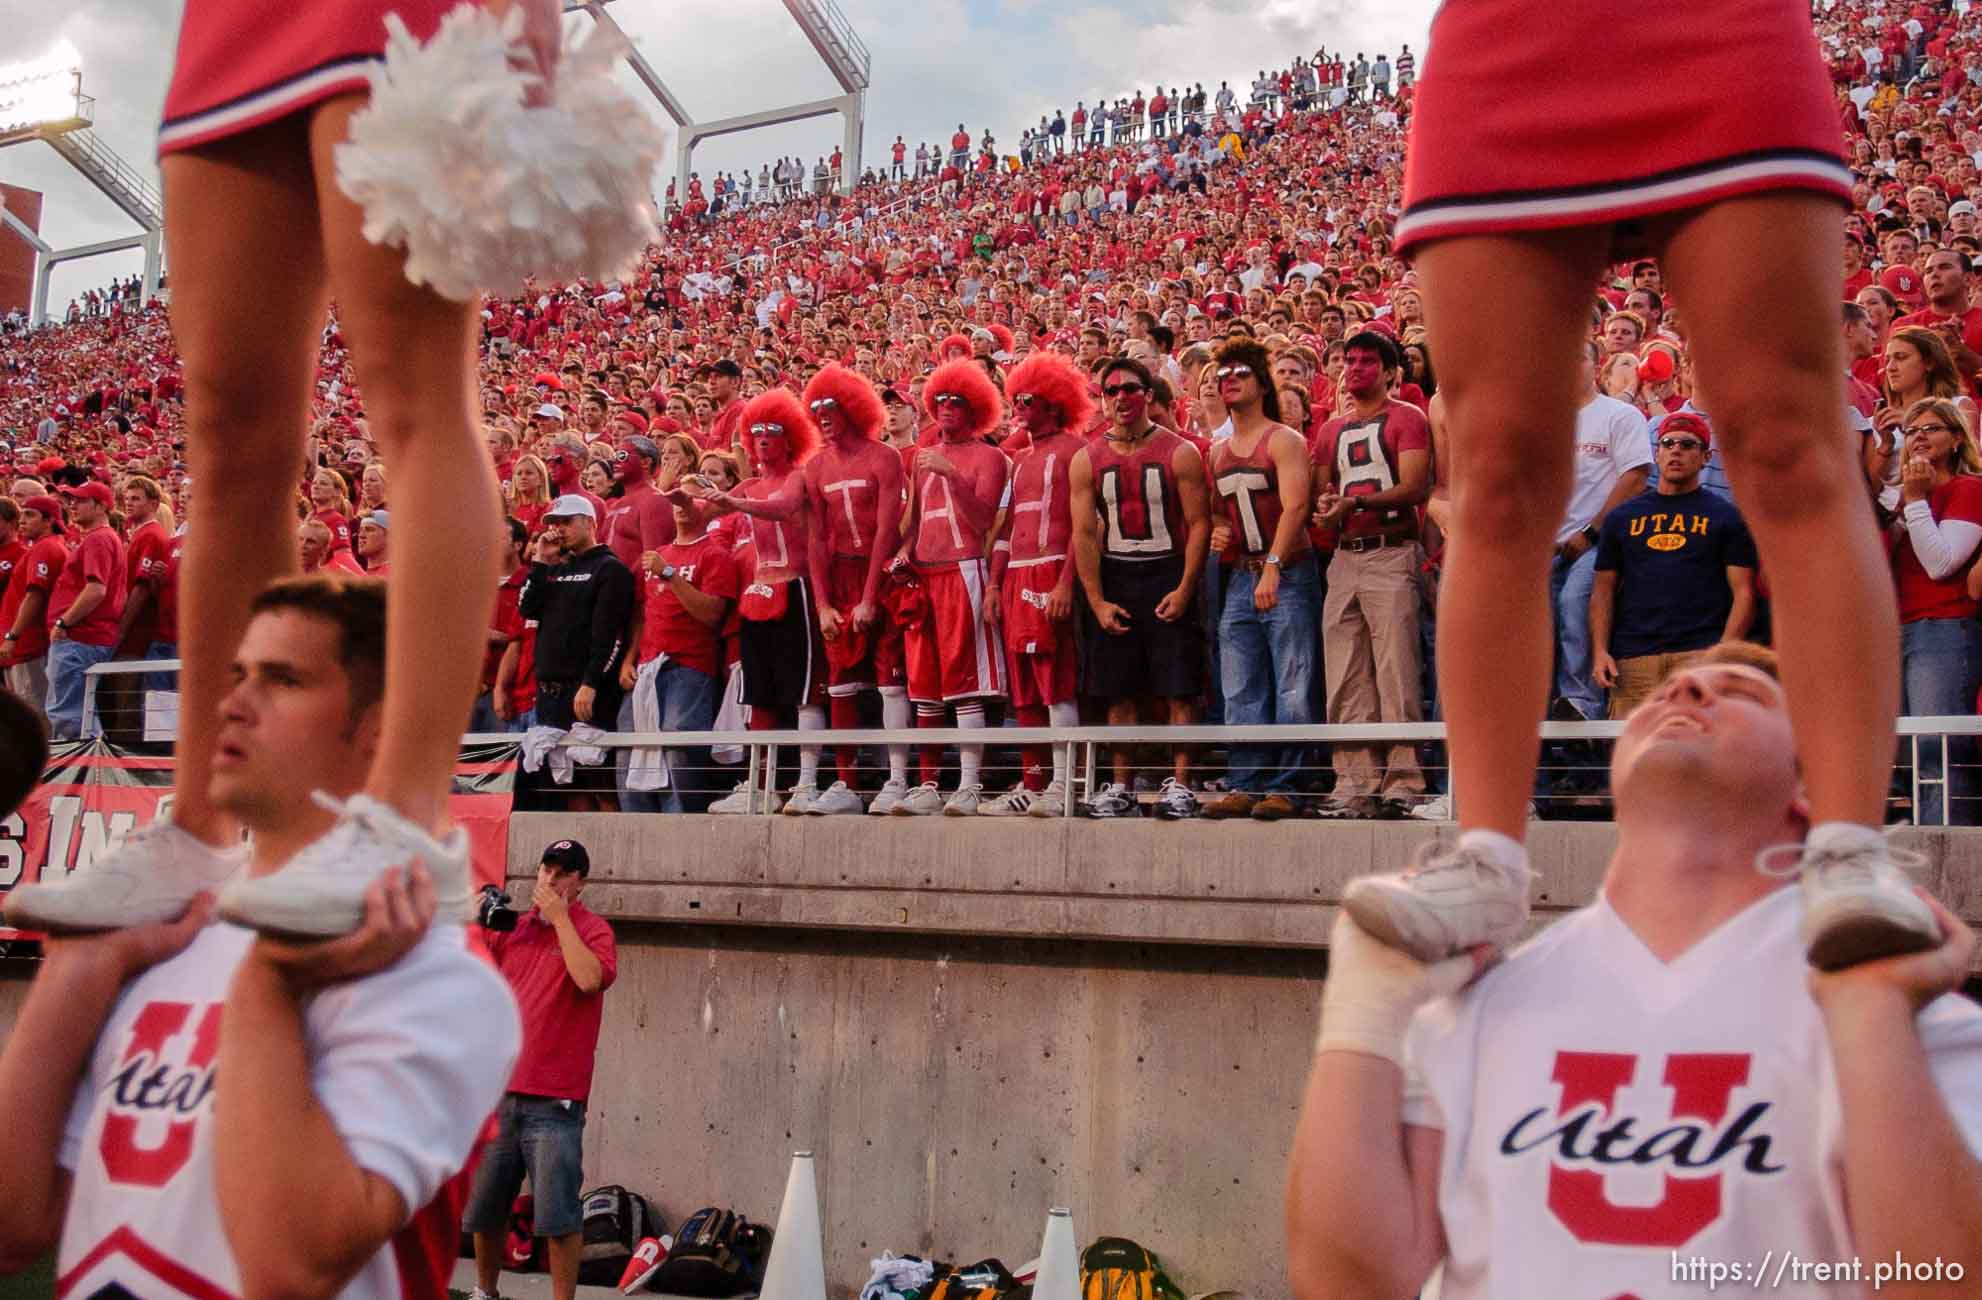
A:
1536	116
243	63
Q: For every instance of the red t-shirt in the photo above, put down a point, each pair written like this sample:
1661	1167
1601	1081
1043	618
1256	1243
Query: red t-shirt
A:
339	526
522	690
10	555
99	557
1922	597
168	592
709	565
1928	318
560	1024
146	557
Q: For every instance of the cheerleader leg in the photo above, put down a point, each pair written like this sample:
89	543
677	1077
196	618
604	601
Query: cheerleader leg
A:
414	352
247	304
1771	379
1507	315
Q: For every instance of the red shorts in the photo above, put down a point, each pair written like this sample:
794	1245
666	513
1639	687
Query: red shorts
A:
1045	665
857	662
1524	122
951	654
243	63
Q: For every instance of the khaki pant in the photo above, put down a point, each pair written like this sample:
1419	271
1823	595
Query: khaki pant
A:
29	680
1640	675
1371	653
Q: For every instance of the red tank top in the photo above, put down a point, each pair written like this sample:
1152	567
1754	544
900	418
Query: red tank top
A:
1247	489
1142	515
1042	521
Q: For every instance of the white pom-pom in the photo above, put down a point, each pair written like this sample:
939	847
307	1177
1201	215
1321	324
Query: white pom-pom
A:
481	188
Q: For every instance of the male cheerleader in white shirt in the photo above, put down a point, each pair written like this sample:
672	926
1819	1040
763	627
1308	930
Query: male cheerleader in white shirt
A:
1657	1085
197	1111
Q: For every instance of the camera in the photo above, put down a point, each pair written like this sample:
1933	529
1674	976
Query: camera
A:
493	910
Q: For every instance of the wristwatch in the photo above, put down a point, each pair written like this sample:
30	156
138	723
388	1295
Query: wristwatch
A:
667	572
62	623
1271	559
1589	533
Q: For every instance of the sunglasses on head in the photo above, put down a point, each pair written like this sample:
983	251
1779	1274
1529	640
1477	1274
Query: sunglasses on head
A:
1677	443
1122	390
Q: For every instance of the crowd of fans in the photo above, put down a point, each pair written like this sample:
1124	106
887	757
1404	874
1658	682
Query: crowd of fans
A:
1217	266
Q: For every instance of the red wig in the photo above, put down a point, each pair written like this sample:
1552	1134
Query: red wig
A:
979	393
857	398
1003	334
958	344
778	406
1054	380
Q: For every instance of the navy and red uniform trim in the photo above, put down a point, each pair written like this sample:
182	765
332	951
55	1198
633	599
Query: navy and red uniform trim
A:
1532	117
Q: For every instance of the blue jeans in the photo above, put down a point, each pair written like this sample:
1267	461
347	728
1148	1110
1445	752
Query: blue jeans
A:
544	1138
1569	587
162	681
688	698
68	665
1267	663
1940	662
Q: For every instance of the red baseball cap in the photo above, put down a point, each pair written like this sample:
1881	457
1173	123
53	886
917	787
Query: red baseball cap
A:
1657	365
1903	283
46	504
1687	422
97	492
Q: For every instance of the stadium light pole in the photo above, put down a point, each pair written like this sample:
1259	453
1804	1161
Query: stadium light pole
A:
42	99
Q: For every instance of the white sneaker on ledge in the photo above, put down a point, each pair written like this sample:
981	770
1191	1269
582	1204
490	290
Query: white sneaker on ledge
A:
1858	903
891	793
837	800
1449	902
801	800
320	893
1015	802
1050	802
151	876
965	801
924	800
737	802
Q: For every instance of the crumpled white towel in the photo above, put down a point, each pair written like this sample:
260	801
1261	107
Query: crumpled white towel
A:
582	747
893	1277
647	769
731	715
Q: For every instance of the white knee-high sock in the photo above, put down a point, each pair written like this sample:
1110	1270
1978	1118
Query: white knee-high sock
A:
1066	714
971	757
811	717
896	715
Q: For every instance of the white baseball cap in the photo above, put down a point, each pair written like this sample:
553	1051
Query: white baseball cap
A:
570	506
549	412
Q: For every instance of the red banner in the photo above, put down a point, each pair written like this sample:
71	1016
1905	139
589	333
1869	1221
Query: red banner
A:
92	794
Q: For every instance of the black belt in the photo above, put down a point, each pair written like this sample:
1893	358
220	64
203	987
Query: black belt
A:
555	688
1374	543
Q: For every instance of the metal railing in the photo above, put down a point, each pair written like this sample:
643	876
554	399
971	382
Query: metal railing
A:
1927	785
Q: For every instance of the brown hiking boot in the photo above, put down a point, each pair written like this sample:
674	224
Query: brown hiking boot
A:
1233	803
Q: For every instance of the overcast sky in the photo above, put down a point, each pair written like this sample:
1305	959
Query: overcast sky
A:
996	63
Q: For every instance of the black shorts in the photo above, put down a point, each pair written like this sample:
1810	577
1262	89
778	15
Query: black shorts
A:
783	664
1153	657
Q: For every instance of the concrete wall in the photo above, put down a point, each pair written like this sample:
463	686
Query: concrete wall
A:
970	1022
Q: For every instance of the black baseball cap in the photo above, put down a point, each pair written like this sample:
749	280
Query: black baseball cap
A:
892	396
727	367
568	855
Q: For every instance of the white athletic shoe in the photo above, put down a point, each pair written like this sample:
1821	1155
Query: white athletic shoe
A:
738	802
1175	802
801	799
1858	904
924	800
1440	810
889	797
837	800
1111	800
151	876
964	803
1447	903
1015	802
320	893
1050	802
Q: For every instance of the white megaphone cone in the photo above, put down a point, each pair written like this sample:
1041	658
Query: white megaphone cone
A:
1059	1261
797	1268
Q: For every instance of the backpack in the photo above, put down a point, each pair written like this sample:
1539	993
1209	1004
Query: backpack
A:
987	1279
615	1220
1115	1268
716	1253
